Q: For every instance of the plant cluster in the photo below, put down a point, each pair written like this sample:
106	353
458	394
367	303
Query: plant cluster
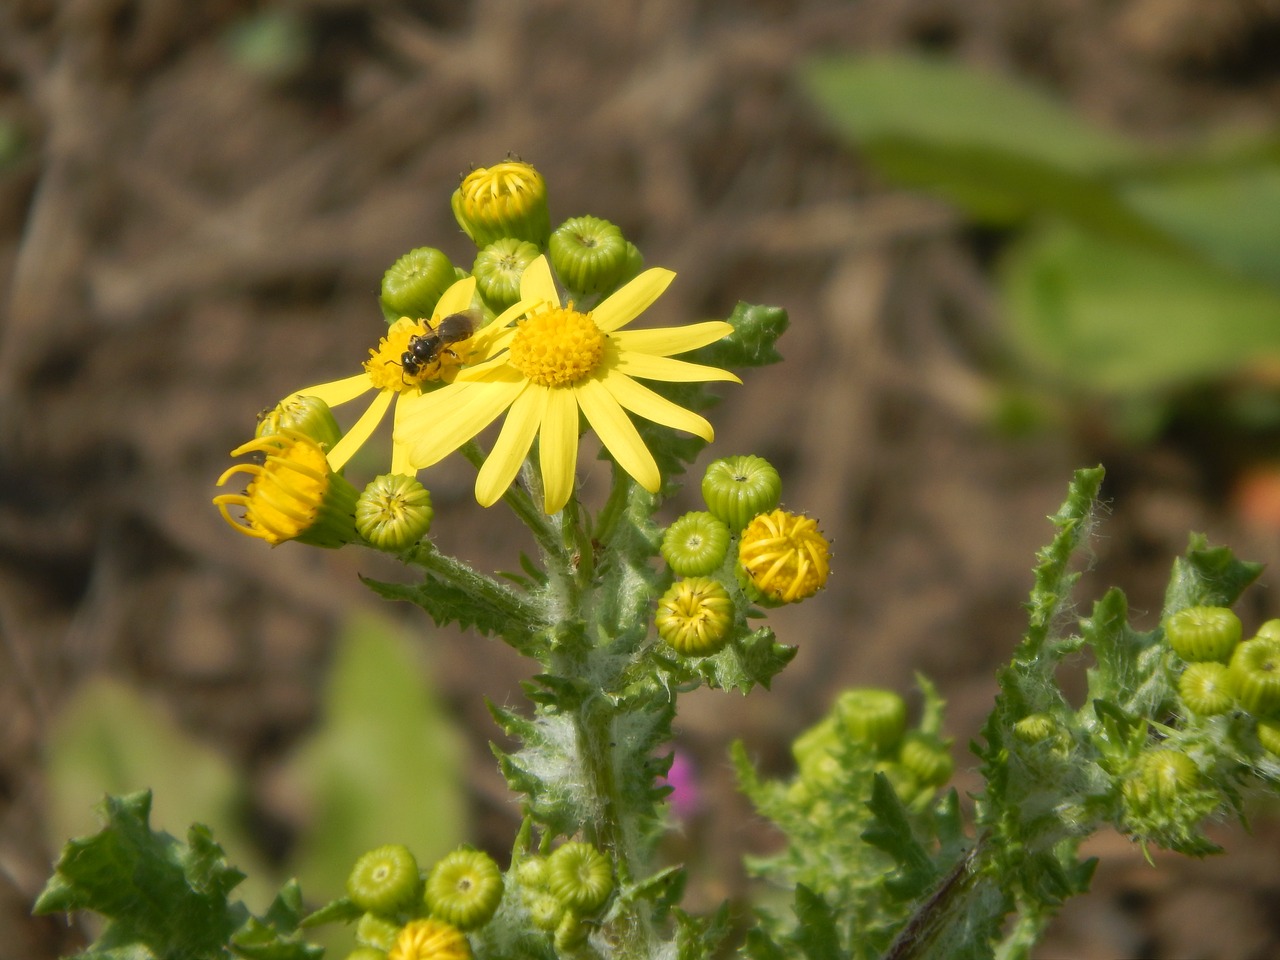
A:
622	615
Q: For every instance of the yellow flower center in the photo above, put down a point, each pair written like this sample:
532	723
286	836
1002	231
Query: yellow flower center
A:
432	359
557	347
785	555
287	490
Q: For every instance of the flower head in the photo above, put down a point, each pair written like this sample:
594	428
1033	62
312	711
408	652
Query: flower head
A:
556	362
785	556
694	616
430	940
394	380
508	199
394	512
293	493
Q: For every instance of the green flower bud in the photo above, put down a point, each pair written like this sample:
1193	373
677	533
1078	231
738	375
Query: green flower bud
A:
394	512
293	495
532	873
508	199
1253	676
545	909
1035	728
589	255
695	544
1160	776
385	880
1203	633
580	876
464	889
307	415
1268	733
820	739
736	489
430	940
927	759
377	932
1270	630
1205	690
413	285
694	616
871	716
571	933
498	269
635	263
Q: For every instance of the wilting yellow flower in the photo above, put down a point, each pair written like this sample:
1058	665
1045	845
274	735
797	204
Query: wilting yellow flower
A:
553	363
293	493
384	372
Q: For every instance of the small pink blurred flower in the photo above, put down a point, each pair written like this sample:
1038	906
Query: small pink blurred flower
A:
685	797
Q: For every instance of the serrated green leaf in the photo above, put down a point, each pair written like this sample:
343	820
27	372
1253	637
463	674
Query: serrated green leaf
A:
753	343
750	661
157	892
891	832
816	931
699	937
257	940
758	946
384	765
1210	576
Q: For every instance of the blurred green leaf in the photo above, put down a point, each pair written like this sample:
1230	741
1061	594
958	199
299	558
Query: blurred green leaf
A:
384	765
1231	216
996	147
1108	317
110	739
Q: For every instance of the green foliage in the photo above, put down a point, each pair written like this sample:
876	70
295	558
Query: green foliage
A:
1132	272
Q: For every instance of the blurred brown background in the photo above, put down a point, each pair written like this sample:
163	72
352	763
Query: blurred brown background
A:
193	222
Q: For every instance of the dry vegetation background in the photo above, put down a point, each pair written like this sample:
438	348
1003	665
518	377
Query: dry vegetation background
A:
184	238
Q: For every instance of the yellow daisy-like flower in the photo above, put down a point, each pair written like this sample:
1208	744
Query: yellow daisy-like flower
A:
385	373
552	364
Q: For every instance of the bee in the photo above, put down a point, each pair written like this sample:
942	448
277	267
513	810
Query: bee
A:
427	348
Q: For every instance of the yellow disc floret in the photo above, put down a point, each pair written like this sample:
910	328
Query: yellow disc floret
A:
386	368
293	495
557	347
785	556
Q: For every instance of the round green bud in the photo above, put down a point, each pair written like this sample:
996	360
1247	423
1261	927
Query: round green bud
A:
634	264
545	909
413	285
1160	775
498	268
1268	733
1203	633
531	873
384	880
1205	690
1035	728
589	255
571	933
464	889
580	876
695	544
927	759
373	930
1253	676
1270	630
309	416
394	512
694	616
871	716
508	199
819	740
737	489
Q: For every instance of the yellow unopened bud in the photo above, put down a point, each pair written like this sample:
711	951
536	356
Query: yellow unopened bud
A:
784	556
309	415
508	199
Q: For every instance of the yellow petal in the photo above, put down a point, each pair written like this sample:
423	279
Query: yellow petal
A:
537	285
618	433
668	341
445	419
490	369
455	300
511	447
336	391
558	448
360	431
399	449
664	368
630	301
643	401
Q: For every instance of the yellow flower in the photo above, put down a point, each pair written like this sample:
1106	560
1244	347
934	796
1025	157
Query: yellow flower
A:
785	556
553	363
430	940
384	373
